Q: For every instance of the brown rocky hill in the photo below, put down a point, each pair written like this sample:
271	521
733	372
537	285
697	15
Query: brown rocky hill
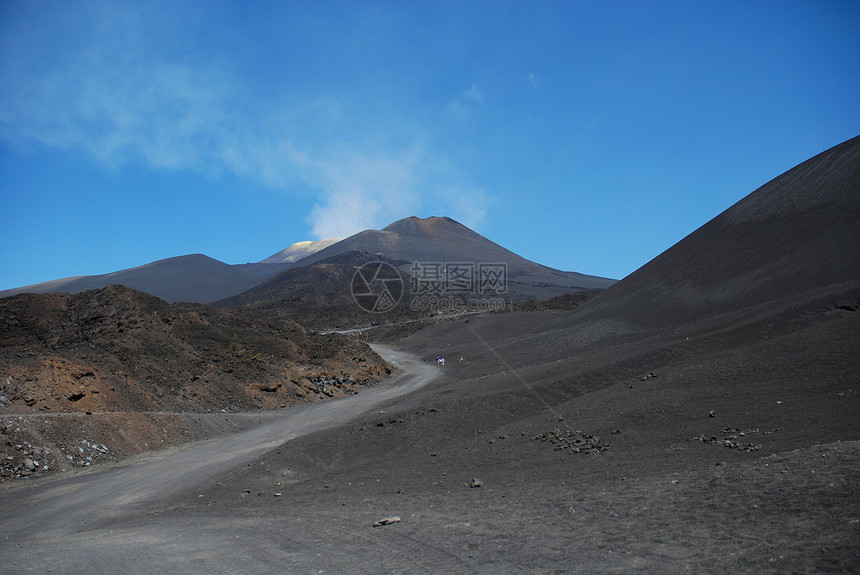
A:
117	349
120	351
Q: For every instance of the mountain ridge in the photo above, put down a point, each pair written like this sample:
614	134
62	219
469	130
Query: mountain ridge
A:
194	278
441	239
201	279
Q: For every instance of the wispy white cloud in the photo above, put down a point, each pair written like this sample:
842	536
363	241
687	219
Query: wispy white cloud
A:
474	93
98	82
374	190
370	191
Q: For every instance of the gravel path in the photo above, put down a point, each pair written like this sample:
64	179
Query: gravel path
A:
50	510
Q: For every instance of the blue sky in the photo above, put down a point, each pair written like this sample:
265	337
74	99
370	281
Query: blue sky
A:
587	136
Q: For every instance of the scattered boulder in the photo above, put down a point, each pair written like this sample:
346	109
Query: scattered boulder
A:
476	483
576	442
268	387
731	439
76	395
387	521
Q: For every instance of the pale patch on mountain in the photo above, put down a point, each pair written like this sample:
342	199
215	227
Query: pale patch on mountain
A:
298	251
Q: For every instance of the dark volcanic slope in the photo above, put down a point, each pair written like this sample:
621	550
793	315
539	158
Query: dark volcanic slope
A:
318	295
193	278
799	232
700	418
689	419
441	239
316	290
322	284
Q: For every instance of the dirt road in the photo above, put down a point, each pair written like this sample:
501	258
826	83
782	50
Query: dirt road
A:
56	508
